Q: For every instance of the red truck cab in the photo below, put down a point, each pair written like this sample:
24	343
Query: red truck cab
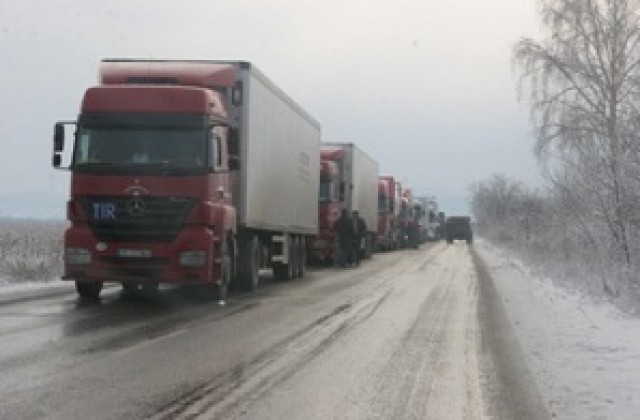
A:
323	247
409	223
151	182
388	235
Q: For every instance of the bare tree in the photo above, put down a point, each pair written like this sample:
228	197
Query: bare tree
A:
583	83
504	207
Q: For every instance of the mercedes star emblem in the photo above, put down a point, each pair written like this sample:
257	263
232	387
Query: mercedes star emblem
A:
136	206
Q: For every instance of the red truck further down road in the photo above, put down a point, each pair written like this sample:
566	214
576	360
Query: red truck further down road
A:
409	220
348	180
188	172
389	199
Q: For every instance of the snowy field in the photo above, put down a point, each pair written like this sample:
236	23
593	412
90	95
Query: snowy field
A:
30	251
584	355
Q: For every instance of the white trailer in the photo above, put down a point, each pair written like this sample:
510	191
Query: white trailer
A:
276	189
279	158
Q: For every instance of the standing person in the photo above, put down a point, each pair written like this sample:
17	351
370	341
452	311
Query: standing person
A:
360	232
344	229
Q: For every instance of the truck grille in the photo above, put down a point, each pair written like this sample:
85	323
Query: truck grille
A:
136	218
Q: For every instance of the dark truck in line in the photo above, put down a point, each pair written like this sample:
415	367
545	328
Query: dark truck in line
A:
458	227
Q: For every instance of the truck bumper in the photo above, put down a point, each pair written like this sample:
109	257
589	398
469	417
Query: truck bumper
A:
384	242
322	247
144	262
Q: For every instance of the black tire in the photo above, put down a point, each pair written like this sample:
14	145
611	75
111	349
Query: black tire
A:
302	258
249	263
89	290
294	257
286	272
215	289
221	291
129	287
282	272
368	246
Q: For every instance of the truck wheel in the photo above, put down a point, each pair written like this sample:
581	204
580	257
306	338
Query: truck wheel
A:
222	288
216	289
285	272
89	290
294	257
302	258
368	247
249	263
282	272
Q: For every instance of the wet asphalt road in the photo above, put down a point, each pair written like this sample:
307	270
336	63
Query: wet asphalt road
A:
409	334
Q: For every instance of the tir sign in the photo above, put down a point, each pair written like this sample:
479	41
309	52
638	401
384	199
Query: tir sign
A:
104	211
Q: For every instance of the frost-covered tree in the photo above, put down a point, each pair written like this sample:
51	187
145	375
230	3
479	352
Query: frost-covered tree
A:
505	208
493	200
583	84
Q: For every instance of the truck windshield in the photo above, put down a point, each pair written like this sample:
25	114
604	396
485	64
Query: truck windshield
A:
327	191
140	149
383	204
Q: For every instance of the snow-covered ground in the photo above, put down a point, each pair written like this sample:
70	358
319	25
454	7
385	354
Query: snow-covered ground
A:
585	356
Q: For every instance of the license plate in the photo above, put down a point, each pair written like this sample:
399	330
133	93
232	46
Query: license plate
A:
134	253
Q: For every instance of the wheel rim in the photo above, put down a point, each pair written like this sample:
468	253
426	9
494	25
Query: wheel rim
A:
255	251
292	267
303	258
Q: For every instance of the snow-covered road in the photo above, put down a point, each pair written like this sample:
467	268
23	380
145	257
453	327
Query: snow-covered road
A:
434	333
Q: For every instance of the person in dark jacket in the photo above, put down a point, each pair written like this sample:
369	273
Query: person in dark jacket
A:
359	235
344	229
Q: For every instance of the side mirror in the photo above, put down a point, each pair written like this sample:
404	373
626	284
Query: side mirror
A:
213	150
60	158
236	94
58	137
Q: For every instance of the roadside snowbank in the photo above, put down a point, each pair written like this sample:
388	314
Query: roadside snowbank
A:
11	289
585	356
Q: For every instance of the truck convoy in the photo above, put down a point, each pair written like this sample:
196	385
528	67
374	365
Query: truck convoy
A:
200	173
193	173
349	180
421	217
389	204
429	225
433	225
408	220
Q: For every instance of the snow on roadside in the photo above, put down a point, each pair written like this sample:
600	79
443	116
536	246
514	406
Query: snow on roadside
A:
10	289
585	356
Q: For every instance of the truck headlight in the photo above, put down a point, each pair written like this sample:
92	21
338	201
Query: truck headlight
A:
193	258
77	256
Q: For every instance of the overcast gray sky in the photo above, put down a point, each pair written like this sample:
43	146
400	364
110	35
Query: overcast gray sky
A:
425	86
